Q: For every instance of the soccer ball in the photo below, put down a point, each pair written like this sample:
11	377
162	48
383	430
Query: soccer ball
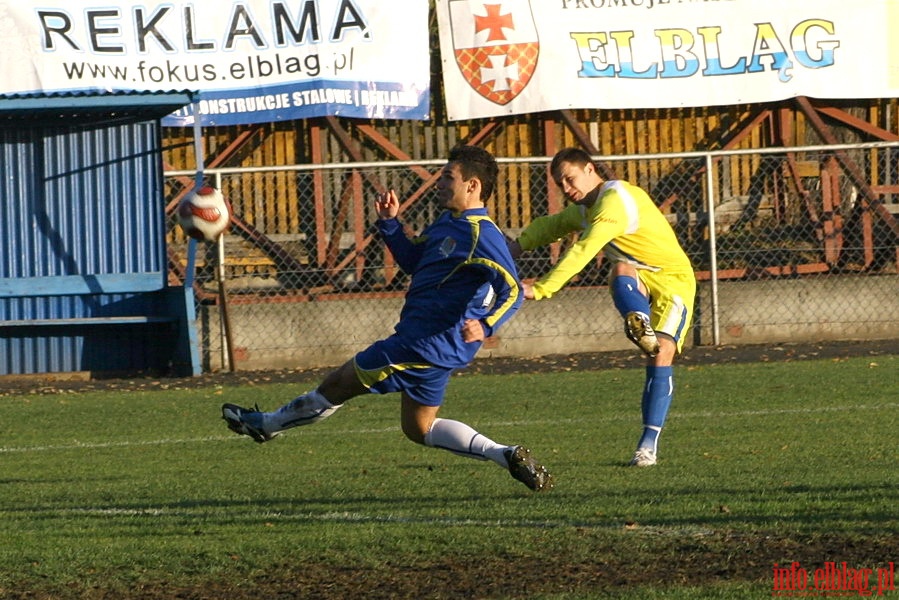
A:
204	214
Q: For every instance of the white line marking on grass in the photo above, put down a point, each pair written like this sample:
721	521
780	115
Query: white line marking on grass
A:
126	512
674	415
361	518
95	445
348	517
785	411
162	442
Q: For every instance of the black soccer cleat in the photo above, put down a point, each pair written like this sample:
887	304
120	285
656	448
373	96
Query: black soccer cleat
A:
528	471
246	421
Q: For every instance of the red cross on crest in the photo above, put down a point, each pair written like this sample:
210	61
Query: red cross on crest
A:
495	44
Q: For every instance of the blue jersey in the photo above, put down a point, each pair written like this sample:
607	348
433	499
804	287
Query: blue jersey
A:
461	269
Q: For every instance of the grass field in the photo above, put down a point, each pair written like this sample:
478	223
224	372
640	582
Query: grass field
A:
147	495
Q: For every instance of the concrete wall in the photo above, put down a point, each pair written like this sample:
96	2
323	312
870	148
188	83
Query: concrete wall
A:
809	309
327	333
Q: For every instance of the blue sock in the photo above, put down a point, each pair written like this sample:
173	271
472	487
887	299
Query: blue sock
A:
657	397
627	296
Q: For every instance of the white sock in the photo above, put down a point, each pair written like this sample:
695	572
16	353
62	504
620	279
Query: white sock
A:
461	439
309	408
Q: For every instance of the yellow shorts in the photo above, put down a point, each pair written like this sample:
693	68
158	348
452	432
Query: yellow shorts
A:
671	299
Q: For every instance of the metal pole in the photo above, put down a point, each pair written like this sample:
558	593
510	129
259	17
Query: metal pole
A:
713	250
224	317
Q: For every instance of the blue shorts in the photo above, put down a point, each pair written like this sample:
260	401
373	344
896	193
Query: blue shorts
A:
389	366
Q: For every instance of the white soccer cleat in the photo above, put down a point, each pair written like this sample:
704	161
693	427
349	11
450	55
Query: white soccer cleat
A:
643	457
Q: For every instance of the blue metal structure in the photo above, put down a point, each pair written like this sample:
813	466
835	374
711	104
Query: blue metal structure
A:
83	277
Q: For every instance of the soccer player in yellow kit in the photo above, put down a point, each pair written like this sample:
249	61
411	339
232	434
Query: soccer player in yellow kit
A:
652	281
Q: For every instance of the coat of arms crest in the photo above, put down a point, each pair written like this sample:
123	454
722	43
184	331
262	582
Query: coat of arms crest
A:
495	44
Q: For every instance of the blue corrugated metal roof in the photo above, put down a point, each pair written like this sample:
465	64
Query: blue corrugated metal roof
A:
97	95
154	104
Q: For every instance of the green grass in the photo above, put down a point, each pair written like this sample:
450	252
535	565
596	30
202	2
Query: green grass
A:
133	494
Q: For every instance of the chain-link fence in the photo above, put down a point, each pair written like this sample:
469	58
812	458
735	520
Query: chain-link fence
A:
796	243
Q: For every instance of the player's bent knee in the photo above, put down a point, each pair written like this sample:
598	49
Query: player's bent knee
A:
414	433
416	428
667	351
417	419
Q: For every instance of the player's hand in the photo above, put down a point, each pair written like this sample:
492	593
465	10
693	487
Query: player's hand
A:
528	289
472	331
387	205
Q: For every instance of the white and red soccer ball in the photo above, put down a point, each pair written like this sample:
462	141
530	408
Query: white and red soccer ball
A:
204	214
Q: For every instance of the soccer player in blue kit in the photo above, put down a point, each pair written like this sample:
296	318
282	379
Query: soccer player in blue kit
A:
464	286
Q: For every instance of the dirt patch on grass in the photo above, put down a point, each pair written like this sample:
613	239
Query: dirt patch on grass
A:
663	562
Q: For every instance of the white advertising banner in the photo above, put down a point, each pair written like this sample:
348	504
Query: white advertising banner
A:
250	60
505	57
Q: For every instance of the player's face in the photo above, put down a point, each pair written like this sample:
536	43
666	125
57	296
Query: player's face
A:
454	193
577	181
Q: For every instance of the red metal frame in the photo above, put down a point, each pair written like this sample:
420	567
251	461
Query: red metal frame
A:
828	223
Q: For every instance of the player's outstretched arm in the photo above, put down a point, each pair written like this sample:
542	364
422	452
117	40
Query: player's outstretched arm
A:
406	253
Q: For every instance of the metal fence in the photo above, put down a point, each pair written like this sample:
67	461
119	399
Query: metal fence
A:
774	217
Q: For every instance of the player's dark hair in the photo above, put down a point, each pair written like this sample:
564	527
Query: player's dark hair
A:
575	156
476	162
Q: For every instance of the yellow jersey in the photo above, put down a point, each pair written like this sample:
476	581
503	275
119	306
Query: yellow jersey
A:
623	222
